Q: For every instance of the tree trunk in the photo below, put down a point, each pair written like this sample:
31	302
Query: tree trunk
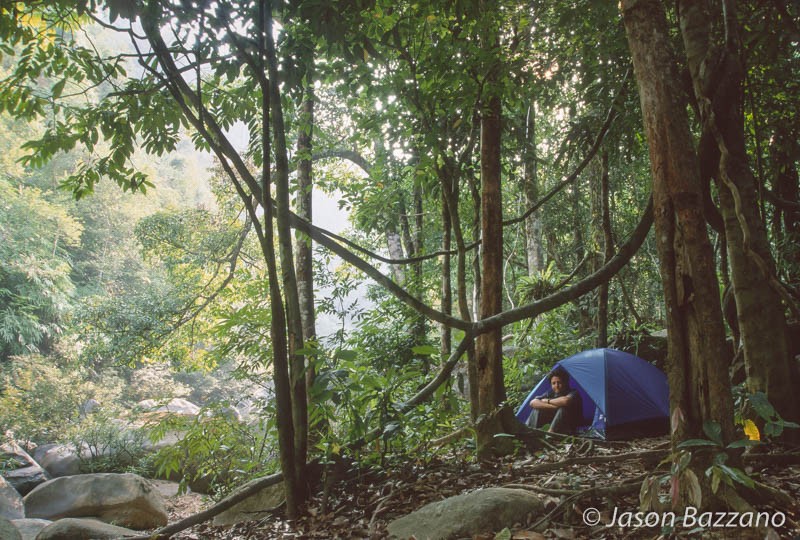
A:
304	209
294	325
395	245
447	287
489	351
533	223
607	241
718	78
450	188
697	370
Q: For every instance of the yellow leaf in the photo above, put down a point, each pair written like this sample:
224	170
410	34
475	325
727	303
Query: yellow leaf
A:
751	430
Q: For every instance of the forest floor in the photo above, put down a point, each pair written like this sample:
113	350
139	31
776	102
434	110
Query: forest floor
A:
362	505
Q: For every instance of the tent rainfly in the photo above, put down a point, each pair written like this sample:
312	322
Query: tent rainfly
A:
622	396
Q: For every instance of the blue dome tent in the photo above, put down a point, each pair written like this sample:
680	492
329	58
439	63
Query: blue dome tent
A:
622	396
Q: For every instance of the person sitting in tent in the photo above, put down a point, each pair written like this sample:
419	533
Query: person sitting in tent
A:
561	407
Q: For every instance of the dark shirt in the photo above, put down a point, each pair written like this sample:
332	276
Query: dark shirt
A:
570	414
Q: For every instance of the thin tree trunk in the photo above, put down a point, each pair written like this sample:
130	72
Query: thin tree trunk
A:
447	286
608	252
294	325
280	346
533	223
718	78
304	209
451	190
697	370
395	245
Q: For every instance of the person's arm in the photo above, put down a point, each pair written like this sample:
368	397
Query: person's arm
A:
544	402
552	403
563	401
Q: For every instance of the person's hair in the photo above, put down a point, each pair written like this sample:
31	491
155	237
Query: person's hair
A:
561	373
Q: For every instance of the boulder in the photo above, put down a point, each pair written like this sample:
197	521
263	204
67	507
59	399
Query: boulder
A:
255	507
482	511
124	499
11	505
22	471
178	406
30	528
58	460
82	529
88	407
8	531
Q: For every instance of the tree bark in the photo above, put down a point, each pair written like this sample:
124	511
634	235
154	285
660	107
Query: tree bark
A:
450	189
533	223
294	328
447	286
304	209
607	242
489	351
718	80
697	371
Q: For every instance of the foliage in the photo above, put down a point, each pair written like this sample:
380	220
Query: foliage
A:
35	284
772	422
40	401
213	449
105	444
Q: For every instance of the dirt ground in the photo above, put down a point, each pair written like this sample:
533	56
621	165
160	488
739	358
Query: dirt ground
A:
365	501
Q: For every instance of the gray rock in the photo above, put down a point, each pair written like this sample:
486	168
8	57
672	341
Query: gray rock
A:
30	528
58	460
82	529
481	511
255	507
11	505
8	531
124	499
88	407
23	472
178	406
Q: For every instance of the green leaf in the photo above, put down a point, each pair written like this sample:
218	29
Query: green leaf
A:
715	478
696	442
345	354
424	350
738	475
743	443
713	430
58	88
762	405
505	534
693	486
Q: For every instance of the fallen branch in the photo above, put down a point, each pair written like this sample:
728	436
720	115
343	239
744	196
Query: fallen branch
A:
543	490
772	459
626	488
644	454
248	490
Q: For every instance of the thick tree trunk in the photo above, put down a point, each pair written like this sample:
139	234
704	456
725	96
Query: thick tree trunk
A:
718	78
489	351
697	370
